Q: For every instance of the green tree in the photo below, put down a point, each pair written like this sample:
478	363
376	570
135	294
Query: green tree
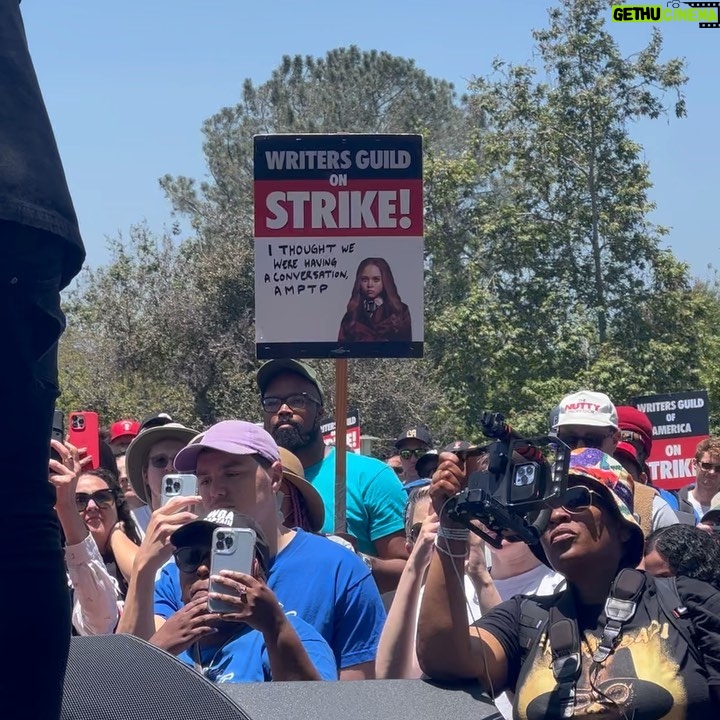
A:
570	273
205	329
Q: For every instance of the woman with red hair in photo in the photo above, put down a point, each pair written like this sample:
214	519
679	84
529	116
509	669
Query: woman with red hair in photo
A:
375	312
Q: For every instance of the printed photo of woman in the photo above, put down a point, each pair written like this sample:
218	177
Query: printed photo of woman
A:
375	312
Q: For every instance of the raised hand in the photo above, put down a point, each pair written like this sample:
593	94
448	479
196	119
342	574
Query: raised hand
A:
448	480
255	605
64	473
156	547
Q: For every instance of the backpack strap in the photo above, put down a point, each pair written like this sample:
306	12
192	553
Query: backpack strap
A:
564	639
566	659
620	608
533	620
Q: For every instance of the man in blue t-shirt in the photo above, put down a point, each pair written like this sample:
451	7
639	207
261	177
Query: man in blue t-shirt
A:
292	402
255	640
238	468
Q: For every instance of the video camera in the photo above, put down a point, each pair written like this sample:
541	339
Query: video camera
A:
509	497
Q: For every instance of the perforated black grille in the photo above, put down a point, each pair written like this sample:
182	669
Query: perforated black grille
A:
118	677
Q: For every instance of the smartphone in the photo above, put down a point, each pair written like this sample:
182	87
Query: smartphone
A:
58	433
177	485
85	433
232	549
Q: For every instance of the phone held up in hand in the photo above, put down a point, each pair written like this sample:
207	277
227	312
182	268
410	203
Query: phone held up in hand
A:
85	433
177	485
232	549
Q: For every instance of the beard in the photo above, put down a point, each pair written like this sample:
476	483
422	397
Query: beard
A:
292	438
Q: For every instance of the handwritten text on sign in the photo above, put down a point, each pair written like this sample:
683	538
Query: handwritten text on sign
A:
338	222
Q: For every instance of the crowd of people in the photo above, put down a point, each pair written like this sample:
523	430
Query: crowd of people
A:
404	592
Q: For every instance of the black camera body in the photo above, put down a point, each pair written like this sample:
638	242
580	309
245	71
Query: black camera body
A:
509	498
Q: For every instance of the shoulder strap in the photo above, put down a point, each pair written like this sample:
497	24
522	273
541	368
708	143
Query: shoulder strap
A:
533	619
620	608
643	499
564	638
566	658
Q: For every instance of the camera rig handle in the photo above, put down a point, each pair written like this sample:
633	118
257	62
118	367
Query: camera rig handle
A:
477	504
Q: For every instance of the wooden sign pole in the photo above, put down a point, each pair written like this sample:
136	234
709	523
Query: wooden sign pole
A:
341	391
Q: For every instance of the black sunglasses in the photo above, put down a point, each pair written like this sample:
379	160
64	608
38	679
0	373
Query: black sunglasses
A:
417	452
102	498
589	441
574	499
189	559
707	467
296	401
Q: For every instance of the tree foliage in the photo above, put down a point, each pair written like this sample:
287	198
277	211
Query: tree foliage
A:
543	271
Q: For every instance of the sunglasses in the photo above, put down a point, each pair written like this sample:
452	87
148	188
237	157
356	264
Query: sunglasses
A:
189	559
574	499
415	531
417	452
160	462
297	401
709	467
102	498
588	441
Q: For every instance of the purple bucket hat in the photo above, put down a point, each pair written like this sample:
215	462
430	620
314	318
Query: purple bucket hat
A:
235	437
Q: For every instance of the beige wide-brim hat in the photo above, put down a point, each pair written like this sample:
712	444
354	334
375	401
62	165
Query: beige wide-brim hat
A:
139	449
293	472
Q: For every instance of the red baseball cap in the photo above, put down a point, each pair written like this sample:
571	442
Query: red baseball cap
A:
124	428
628	450
632	420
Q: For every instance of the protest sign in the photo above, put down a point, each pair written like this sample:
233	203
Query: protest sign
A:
680	421
339	267
352	430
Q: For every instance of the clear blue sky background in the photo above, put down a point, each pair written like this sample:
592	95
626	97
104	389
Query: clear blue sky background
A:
128	84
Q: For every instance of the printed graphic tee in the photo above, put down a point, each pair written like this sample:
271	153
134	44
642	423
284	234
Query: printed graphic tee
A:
652	674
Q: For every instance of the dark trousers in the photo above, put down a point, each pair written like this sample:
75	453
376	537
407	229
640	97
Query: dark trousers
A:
34	597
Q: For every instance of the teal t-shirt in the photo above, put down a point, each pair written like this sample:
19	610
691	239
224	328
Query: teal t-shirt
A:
375	501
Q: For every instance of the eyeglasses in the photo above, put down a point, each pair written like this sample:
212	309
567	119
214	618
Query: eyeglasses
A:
417	452
102	498
709	467
189	559
296	401
588	441
574	499
415	531
160	462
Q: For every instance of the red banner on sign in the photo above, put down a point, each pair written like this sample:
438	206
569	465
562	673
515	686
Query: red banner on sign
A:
671	459
353	439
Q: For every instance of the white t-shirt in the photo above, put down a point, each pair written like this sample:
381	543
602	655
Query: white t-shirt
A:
700	510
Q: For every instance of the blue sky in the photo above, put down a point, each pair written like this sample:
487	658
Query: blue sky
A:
128	85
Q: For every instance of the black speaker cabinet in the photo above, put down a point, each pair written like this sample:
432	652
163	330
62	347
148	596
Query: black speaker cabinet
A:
118	677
